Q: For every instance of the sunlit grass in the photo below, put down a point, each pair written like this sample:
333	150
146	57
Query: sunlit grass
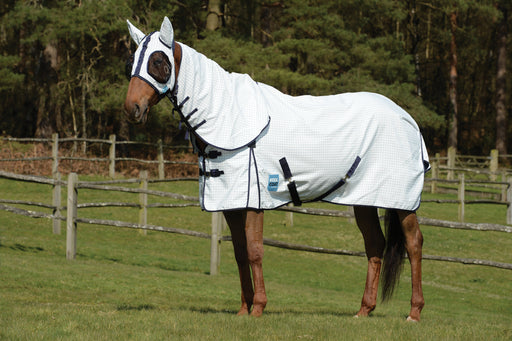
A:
125	285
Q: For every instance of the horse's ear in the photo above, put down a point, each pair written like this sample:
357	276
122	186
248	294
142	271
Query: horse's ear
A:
136	34
167	33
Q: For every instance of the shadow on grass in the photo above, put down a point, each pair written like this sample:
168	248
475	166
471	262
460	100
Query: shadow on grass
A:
139	307
210	310
24	248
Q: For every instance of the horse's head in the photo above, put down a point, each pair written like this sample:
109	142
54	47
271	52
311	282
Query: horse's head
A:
153	72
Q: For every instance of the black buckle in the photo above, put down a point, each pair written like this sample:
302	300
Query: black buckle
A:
214	173
213	154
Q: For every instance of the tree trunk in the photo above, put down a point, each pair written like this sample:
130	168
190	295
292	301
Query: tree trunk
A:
414	29
452	135
501	82
214	17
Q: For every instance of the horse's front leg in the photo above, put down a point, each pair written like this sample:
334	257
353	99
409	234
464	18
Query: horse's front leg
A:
367	219
236	222
413	244
254	235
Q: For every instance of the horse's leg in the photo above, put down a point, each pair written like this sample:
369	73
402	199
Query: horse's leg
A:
236	222
414	243
367	219
254	235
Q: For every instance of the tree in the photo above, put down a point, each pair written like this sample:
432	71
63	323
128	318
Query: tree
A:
452	138
501	80
214	16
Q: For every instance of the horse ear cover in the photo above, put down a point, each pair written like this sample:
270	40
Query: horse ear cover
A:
136	34
167	33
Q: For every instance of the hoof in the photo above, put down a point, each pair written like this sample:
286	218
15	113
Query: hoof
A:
364	312
256	313
244	310
410	319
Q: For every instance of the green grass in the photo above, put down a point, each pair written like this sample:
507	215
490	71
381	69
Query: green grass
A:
125	285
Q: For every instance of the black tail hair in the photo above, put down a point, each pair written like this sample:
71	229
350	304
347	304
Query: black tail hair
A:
393	254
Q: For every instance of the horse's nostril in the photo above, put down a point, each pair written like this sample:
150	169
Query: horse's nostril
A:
137	110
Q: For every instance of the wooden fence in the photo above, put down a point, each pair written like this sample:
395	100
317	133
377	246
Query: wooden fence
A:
112	159
442	166
72	219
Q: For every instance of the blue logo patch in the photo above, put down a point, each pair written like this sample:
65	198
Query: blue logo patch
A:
273	182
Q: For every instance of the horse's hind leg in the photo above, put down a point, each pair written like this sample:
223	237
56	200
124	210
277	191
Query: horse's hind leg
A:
247	233
236	223
413	244
367	219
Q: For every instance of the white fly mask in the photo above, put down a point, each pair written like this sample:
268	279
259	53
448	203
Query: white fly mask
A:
153	61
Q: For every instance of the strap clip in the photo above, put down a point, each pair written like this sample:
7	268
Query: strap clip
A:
214	173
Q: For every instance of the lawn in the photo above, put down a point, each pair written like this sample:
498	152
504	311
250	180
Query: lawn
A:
126	285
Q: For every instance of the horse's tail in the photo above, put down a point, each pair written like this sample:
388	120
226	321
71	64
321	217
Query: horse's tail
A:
393	254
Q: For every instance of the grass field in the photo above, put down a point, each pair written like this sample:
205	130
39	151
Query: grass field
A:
128	286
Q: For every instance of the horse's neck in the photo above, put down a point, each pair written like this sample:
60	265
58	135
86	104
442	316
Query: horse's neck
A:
196	72
224	109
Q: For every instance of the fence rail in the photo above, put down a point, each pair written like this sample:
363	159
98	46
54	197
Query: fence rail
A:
112	158
72	219
449	164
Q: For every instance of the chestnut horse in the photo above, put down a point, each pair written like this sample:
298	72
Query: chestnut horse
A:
155	76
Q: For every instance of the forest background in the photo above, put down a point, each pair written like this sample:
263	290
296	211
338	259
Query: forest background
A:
62	63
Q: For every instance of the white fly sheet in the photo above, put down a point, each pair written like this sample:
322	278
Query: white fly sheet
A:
266	149
352	149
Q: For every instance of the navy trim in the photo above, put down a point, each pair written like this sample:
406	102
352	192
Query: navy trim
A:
171	95
248	180
169	47
252	146
204	183
161	95
142	53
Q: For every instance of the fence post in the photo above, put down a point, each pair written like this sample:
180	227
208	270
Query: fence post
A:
143	201
451	163
493	165
289	217
217	227
461	196
504	187
112	156
55	154
71	217
56	201
435	173
509	199
161	169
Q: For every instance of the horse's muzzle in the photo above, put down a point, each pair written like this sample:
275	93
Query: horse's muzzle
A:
136	112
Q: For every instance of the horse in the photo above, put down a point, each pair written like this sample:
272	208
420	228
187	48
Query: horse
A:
259	149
